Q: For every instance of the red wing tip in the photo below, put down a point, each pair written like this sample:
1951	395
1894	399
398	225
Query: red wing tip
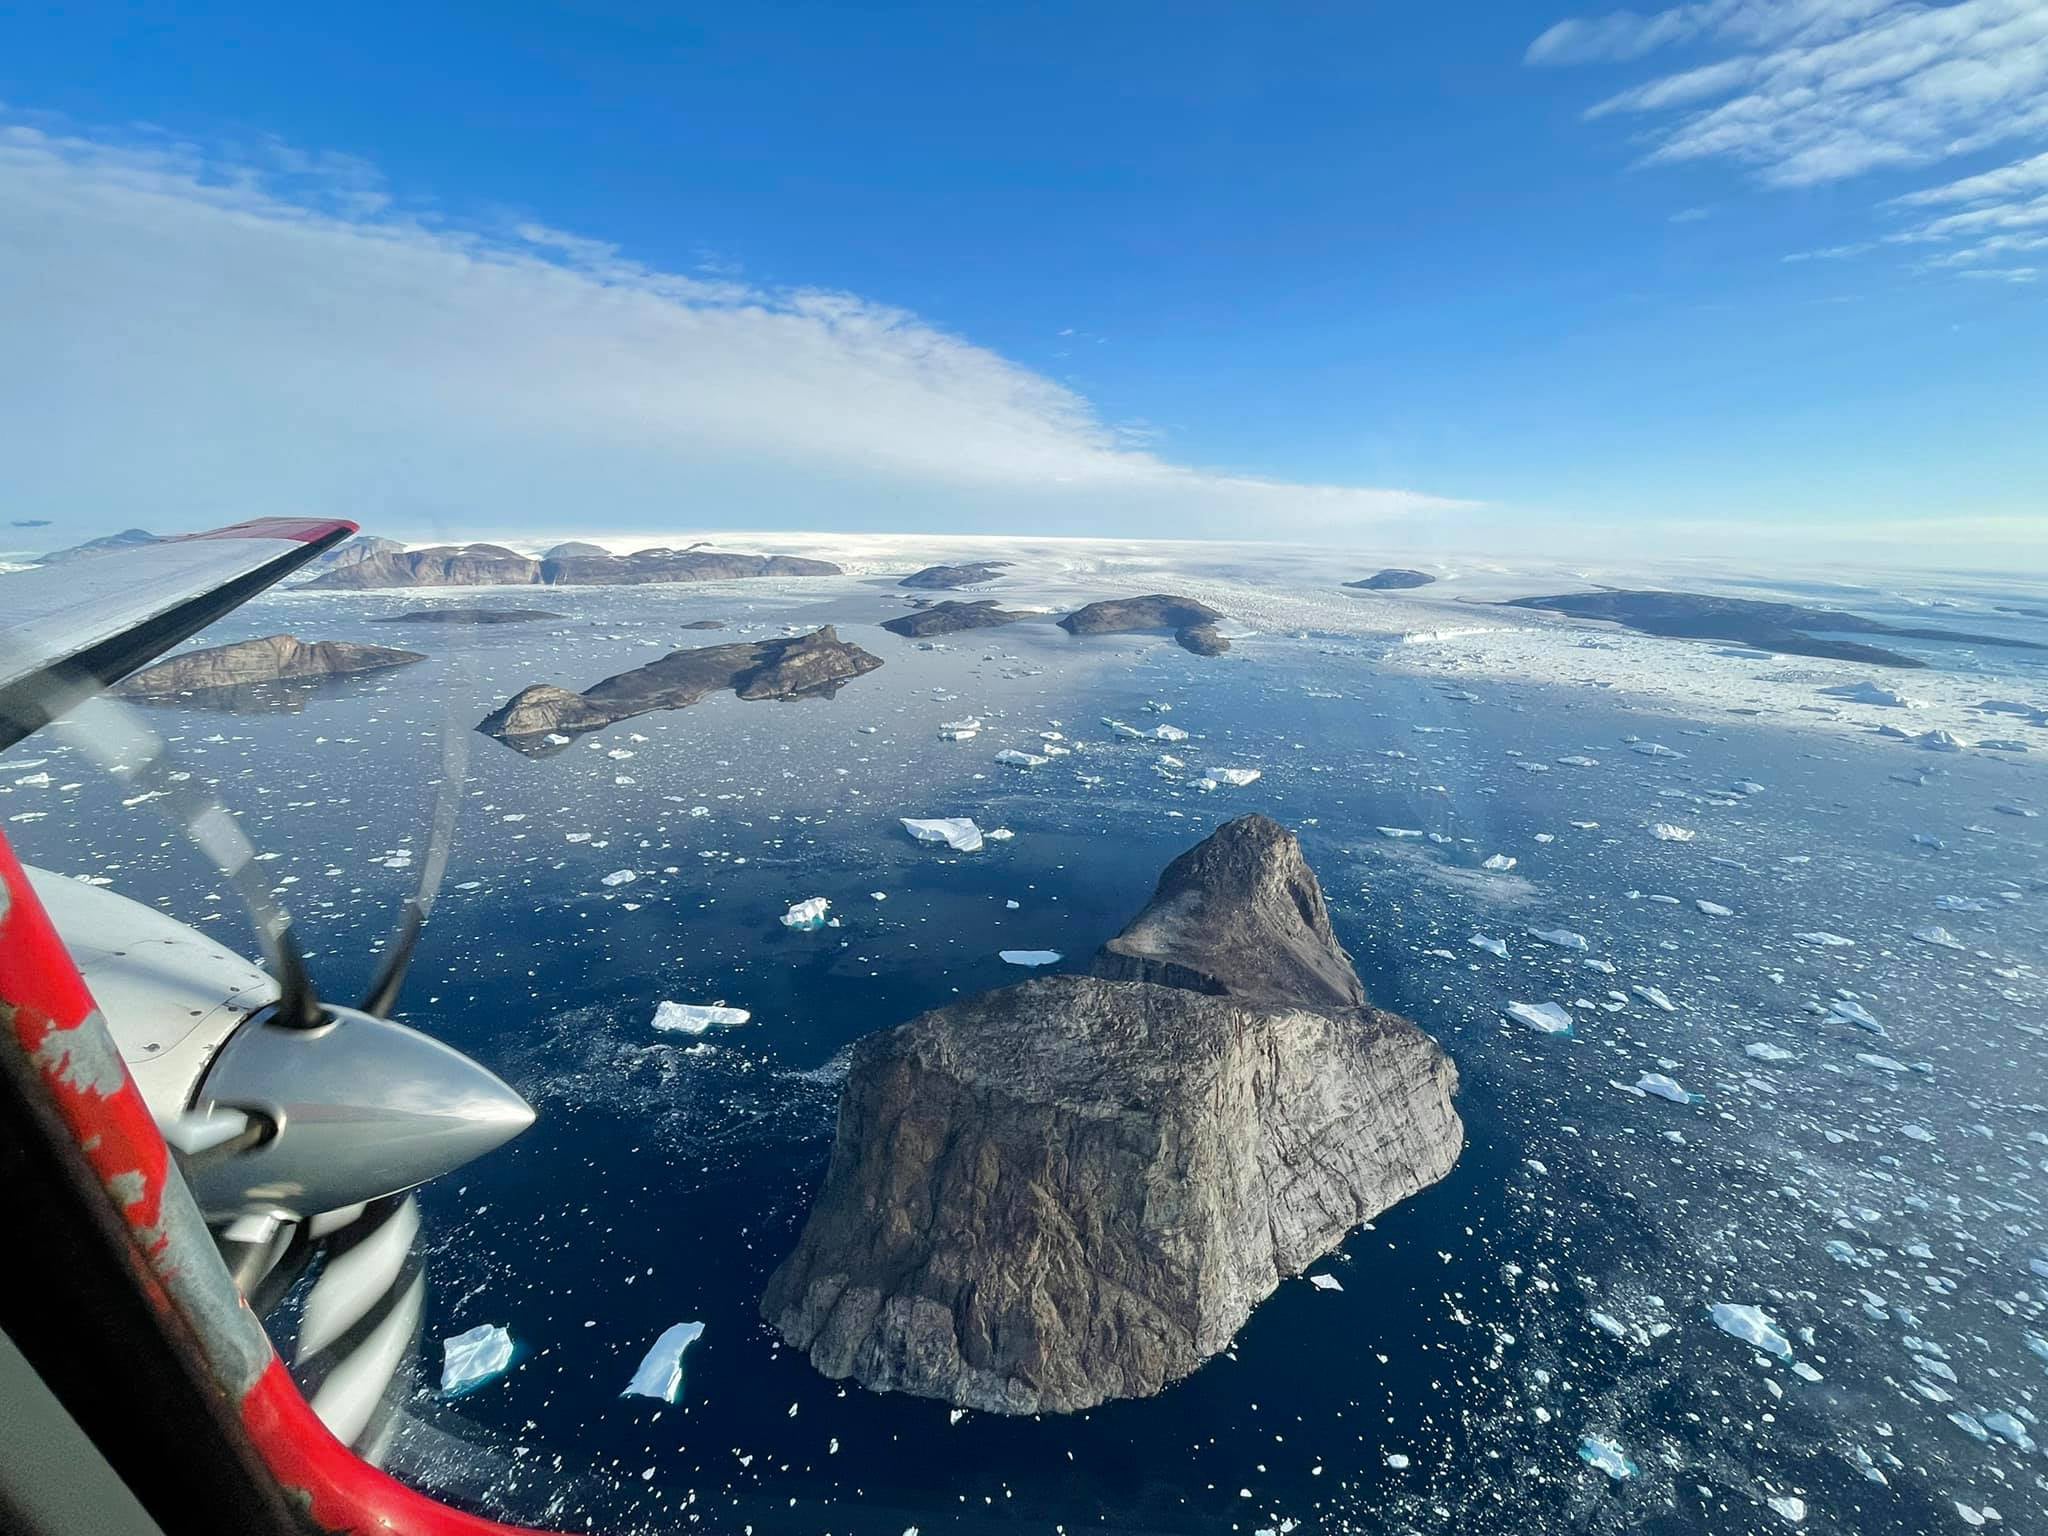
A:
297	530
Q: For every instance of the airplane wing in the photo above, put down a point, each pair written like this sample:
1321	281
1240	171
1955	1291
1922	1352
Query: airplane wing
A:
67	631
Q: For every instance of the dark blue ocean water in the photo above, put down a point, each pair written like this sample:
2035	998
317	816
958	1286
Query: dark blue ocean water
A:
1555	1286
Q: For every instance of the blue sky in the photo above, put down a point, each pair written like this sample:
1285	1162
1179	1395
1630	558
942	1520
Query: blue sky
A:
1432	276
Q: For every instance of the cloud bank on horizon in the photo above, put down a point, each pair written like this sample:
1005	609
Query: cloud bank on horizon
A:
198	337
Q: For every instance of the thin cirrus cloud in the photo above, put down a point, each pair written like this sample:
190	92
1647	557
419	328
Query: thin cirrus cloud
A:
1808	92
199	335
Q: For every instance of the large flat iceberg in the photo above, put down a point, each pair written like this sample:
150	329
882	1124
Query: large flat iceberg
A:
473	1357
1544	1018
958	833
661	1372
695	1018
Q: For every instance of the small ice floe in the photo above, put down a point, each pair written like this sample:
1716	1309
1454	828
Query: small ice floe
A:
1787	1507
1029	956
808	914
1500	863
999	835
1655	997
959	730
958	833
695	1018
1918	1133
1846	1010
1605	1455
1881	1063
1010	757
1667	832
1750	1325
474	1356
1653	749
1397	1461
661	1372
1657	1085
1325	1282
1398	832
1961	904
2010	1430
1747	787
1938	936
1712	908
2007	808
1867	692
1577	760
1562	938
1168	733
1763	1050
1491	946
619	877
1237	778
1544	1018
1821	939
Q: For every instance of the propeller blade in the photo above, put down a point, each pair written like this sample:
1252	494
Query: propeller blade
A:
390	980
135	755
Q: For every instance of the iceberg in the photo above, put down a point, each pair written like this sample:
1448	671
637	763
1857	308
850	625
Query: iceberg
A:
1544	1018
1938	936
958	833
1398	832
1824	940
1237	777
1654	749
808	914
695	1018
959	730
1846	1011
1605	1455
619	877
1660	1086
1867	692
1563	938
1655	997
661	1372
1325	1282
1011	758
1168	733
1491	946
1763	1050
1029	956
1712	908
1750	1325
1665	832
1500	863
473	1357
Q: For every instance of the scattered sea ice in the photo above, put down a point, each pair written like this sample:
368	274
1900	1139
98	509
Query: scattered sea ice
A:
473	1357
661	1372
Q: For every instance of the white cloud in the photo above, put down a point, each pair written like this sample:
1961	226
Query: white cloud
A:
192	335
1817	91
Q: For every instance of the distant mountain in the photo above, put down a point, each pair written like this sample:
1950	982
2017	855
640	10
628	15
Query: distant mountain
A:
575	548
363	546
492	565
30	522
127	538
947	576
1393	579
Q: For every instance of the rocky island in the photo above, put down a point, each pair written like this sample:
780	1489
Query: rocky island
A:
492	565
1078	1188
248	663
1789	628
1193	624
949	576
950	617
1393	579
539	720
470	616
